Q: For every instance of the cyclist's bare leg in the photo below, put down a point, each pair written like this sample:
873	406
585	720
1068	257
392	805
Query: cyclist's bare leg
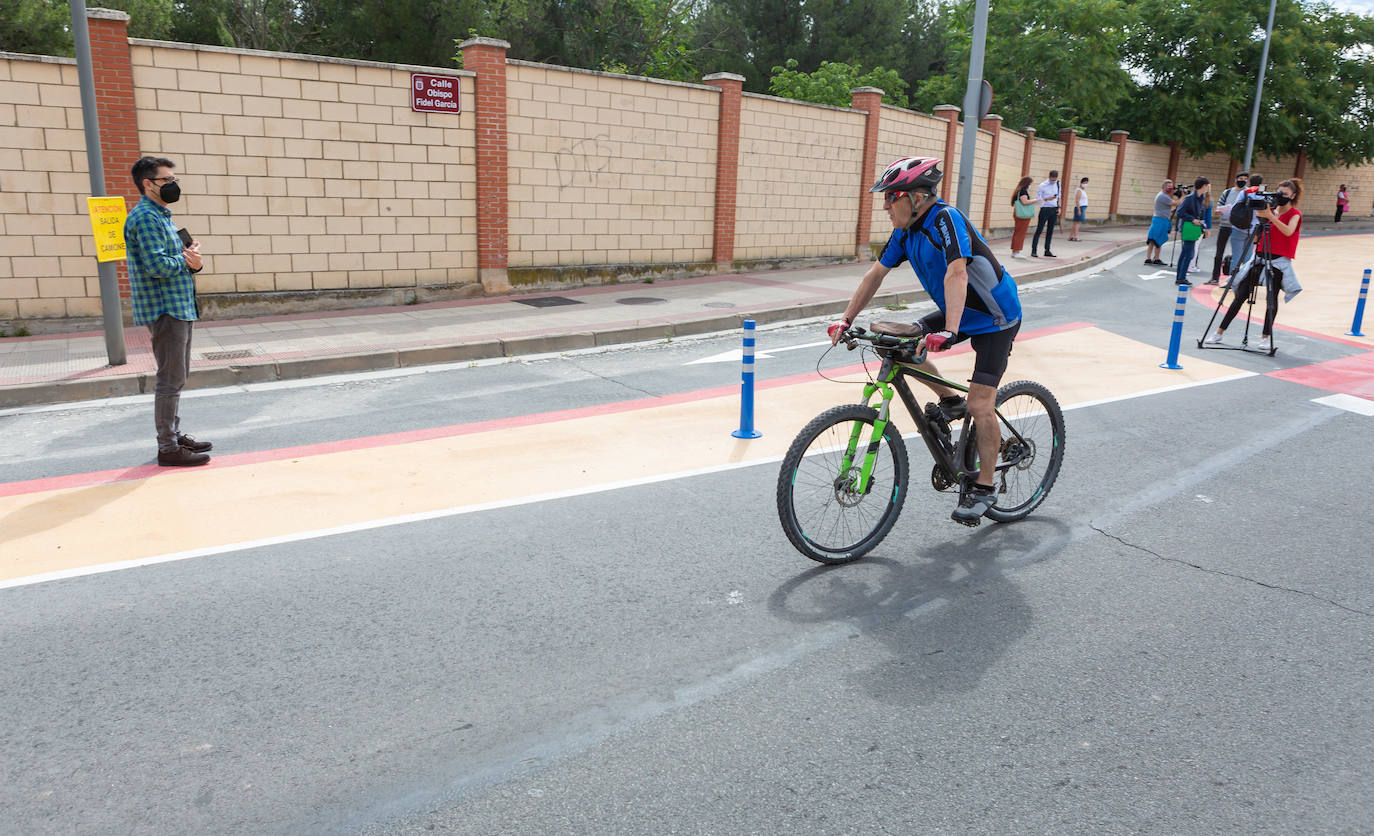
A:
938	389
982	406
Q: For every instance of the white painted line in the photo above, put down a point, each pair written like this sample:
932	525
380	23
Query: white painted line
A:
385	522
736	354
1350	403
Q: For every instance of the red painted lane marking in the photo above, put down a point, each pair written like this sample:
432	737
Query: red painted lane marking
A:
105	477
1203	294
1348	375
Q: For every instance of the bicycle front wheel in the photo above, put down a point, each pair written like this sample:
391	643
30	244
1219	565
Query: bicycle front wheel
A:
1032	455
823	511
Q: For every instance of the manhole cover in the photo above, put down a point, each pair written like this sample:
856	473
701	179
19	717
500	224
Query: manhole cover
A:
547	301
227	355
720	304
641	300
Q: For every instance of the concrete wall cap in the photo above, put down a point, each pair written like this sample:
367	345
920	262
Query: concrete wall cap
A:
749	95
297	56
46	59
939	108
1122	133
880	91
992	117
107	14
723	77
496	42
516	63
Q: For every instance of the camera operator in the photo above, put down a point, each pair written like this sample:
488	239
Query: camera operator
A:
1192	225
1158	235
1225	203
1243	222
1278	239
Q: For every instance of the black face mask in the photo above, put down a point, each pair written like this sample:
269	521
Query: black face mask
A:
1240	184
1282	200
169	192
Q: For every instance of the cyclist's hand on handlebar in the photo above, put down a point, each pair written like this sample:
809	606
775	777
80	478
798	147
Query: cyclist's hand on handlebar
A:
939	341
835	330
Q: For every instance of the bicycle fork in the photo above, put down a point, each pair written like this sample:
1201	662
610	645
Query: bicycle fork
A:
863	483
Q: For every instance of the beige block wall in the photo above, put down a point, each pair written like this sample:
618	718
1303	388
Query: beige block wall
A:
302	174
609	169
1010	149
902	133
799	175
1145	167
1096	161
1319	188
47	254
1046	155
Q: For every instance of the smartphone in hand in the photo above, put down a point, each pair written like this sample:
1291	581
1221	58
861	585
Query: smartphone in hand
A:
185	237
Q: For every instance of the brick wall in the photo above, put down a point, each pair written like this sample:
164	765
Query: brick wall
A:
798	166
1145	168
1097	162
609	169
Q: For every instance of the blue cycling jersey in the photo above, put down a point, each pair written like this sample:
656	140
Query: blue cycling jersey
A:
943	235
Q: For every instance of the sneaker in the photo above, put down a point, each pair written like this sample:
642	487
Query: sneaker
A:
953	408
1034	254
1049	254
1149	262
1020	256
1158	263
182	457
1212	281
1183	283
1213	339
193	445
1265	344
973	505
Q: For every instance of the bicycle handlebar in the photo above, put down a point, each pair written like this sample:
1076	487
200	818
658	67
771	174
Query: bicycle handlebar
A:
914	348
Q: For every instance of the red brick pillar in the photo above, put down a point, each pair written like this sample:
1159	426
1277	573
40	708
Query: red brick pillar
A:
1231	170
1026	152
869	100
992	123
114	106
487	58
731	89
1174	154
950	114
1300	164
1119	137
1066	186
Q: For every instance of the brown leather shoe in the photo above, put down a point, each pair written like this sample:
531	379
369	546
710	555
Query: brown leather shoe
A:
193	445
897	329
182	457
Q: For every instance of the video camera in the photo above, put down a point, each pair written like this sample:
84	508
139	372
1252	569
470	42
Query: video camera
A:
1180	191
1261	199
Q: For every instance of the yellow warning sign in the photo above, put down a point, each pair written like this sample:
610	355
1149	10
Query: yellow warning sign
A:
107	222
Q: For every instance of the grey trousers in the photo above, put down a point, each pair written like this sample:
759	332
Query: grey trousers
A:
172	352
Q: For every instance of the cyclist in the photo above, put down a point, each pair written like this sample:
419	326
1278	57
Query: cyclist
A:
970	287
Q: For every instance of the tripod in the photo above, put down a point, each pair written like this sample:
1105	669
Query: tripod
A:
1251	271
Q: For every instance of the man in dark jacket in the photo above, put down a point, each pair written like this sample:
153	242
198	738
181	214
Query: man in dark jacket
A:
1191	212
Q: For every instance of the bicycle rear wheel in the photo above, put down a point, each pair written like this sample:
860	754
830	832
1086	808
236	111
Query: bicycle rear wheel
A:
821	510
1035	457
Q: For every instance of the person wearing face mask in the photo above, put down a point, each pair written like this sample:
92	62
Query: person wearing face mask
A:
1279	241
163	293
1227	200
1191	226
975	295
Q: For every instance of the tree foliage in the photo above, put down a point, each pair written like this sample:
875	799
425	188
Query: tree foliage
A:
832	82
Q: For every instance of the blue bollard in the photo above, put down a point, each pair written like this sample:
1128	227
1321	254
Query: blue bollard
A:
1176	338
1359	307
746	387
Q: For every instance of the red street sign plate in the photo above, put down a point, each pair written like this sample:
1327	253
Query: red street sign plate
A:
435	93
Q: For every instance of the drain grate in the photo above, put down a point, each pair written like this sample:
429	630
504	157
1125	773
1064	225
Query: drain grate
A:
547	301
227	355
641	300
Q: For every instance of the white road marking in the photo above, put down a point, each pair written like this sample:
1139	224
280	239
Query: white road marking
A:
1350	403
735	355
1158	274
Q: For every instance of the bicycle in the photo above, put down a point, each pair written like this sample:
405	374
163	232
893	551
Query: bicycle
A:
839	492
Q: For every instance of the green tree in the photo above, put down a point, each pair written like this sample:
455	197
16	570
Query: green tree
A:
44	27
832	82
1052	63
1198	66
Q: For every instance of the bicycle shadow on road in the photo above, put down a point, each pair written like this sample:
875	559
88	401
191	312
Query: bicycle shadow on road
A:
947	613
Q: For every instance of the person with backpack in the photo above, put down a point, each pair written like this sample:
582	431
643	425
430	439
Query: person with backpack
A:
1225	203
1242	219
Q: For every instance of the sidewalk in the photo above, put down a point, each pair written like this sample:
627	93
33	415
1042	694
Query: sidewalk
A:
72	367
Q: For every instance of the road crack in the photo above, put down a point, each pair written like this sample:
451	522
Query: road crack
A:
582	368
1245	578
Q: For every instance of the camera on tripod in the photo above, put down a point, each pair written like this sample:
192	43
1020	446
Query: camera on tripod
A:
1262	199
1180	191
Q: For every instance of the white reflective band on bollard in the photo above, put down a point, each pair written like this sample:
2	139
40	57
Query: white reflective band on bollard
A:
746	387
1359	307
1176	337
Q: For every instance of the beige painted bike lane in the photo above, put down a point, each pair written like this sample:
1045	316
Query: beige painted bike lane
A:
88	523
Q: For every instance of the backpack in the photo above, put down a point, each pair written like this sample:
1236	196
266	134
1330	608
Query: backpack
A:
1242	215
1224	206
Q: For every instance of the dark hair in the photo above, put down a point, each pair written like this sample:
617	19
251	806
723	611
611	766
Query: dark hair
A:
1342	188
1025	181
1084	180
1200	182
1294	183
146	169
1256	179
1054	172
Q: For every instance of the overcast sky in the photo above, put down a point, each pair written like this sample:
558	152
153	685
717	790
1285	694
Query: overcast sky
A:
1364	7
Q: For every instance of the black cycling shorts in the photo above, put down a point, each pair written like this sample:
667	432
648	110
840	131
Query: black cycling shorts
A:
990	351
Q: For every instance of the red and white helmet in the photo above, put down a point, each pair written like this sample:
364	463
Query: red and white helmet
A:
909	173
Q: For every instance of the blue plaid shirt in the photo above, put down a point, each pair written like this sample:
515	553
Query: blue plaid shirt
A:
159	280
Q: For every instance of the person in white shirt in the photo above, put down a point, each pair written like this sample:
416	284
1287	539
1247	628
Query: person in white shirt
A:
1080	208
1048	197
1228	199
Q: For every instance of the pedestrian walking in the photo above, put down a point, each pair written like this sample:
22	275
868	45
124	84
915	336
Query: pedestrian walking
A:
1080	208
1048	197
1022	210
163	292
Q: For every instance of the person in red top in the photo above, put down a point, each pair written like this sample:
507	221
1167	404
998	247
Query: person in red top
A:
1279	240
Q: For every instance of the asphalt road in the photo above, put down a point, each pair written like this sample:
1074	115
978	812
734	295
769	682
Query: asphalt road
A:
1177	642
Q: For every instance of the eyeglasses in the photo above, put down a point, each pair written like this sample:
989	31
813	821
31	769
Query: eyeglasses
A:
168	179
890	198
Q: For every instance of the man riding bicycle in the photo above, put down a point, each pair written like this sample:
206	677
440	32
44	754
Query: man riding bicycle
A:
970	288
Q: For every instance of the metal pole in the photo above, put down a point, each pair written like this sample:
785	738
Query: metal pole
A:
106	270
1259	87
972	97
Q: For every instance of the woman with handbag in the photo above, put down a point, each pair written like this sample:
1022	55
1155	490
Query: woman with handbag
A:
1022	209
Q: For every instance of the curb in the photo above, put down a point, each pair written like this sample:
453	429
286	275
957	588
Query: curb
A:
141	383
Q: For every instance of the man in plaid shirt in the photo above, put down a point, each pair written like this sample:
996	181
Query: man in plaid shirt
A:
164	299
